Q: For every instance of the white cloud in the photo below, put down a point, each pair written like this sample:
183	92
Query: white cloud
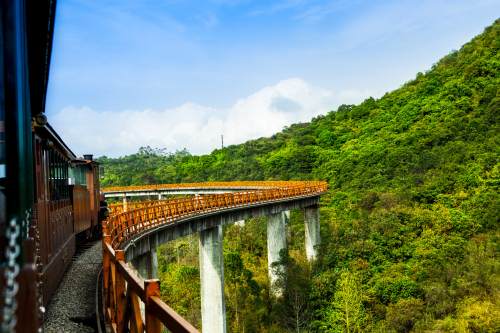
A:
196	127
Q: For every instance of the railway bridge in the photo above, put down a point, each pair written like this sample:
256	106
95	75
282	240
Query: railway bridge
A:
134	229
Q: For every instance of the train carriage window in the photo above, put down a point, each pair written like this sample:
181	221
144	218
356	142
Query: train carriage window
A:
83	179
58	176
66	180
60	180
53	172
78	175
51	175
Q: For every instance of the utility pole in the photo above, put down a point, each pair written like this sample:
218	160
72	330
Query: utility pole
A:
222	139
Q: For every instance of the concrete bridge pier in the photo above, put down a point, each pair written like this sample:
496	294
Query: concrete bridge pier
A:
287	216
147	267
152	262
311	220
147	264
276	243
213	308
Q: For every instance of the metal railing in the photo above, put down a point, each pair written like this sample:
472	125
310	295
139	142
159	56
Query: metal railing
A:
207	185
123	288
118	208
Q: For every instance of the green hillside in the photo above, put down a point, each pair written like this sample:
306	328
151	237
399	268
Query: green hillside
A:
409	226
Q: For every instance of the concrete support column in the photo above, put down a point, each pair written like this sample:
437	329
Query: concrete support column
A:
147	265
287	216
213	308
311	220
125	205
152	264
142	266
276	242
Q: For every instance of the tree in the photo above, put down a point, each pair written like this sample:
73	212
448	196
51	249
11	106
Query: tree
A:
403	315
346	312
241	294
292	309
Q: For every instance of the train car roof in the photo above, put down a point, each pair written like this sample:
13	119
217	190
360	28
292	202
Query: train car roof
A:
46	131
82	161
40	31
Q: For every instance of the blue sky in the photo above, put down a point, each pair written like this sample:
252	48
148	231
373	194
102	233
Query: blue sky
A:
177	74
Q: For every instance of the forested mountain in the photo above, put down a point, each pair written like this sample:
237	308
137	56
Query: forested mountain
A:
410	223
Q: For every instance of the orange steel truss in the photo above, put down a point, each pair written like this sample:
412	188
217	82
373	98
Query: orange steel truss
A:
123	288
239	184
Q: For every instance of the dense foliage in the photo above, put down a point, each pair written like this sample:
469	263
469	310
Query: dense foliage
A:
409	226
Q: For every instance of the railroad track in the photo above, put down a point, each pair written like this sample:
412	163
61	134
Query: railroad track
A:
73	307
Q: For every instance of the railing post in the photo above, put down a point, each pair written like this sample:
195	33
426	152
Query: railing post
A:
106	266
112	296
121	297
136	321
152	288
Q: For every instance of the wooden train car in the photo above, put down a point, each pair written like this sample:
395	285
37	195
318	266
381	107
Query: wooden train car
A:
85	193
66	201
53	208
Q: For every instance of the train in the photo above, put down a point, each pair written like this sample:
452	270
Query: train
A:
66	204
50	198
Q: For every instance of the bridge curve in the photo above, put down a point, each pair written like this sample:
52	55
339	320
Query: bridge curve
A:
193	188
131	234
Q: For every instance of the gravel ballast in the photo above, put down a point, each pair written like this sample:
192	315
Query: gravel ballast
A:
72	309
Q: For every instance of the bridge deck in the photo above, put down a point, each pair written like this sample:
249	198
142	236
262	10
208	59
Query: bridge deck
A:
194	188
129	225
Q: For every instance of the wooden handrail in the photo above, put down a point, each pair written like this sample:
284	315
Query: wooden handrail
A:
123	287
171	319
